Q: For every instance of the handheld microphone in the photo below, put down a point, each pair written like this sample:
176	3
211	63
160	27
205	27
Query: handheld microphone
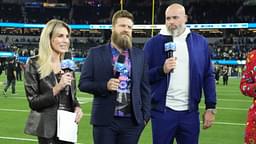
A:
169	48
119	65
68	65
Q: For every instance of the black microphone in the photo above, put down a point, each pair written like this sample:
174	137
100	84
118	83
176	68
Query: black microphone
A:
119	65
68	65
169	48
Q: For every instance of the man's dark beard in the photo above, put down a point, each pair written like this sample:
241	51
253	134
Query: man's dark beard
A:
123	41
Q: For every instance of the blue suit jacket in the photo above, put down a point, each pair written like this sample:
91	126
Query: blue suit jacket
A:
96	72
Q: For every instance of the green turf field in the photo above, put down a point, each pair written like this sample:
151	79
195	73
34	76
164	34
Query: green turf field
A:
228	127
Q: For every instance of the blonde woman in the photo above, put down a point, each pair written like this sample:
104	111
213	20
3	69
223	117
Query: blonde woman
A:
45	83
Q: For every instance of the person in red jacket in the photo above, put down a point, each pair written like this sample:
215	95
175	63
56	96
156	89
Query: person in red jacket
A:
248	87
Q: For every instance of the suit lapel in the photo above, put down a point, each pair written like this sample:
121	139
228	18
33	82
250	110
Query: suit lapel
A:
134	64
106	56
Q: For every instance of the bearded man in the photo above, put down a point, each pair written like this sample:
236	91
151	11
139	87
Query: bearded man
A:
116	75
177	82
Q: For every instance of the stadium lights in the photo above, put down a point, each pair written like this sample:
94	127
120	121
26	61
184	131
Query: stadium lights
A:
108	26
140	27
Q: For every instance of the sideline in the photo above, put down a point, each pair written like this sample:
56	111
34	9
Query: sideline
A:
88	115
89	99
228	108
22	139
228	123
15	138
82	100
17	110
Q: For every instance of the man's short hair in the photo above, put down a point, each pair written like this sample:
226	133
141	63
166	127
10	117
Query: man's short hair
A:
121	14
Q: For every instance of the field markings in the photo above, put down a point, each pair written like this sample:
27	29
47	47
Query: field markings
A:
88	115
235	100
227	108
89	99
228	123
21	139
18	110
237	109
82	100
14	110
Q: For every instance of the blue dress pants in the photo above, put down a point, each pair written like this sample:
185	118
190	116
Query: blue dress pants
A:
183	126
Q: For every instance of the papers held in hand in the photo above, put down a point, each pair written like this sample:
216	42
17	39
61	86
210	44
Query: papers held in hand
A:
66	126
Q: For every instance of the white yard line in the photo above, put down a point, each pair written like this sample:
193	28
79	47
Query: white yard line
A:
235	100
14	110
228	123
82	100
226	108
14	97
237	109
89	99
86	114
18	110
21	139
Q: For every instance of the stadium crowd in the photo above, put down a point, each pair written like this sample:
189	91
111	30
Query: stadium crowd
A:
225	44
99	12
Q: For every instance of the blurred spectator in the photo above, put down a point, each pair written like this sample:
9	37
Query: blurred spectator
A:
225	75
217	74
11	76
1	67
18	71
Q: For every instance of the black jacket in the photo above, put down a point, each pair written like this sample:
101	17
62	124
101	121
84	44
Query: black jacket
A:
42	120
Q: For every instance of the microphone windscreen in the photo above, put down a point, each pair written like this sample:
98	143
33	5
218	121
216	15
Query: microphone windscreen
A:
68	64
169	45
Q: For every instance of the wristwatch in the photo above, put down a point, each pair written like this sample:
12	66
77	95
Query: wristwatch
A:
213	111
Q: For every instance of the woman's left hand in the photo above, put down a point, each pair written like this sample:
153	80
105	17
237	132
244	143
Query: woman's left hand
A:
79	114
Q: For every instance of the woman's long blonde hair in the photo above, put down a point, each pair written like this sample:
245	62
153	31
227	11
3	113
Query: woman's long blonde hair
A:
45	47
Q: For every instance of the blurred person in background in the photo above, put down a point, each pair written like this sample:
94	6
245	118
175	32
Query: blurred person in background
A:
248	88
19	71
225	74
177	81
11	76
45	83
1	67
217	73
120	87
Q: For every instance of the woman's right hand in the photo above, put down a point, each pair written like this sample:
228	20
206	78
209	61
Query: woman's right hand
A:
66	79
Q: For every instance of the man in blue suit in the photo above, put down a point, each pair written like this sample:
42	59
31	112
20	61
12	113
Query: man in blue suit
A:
116	75
177	82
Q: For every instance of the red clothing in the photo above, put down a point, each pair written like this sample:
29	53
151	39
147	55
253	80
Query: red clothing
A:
248	88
